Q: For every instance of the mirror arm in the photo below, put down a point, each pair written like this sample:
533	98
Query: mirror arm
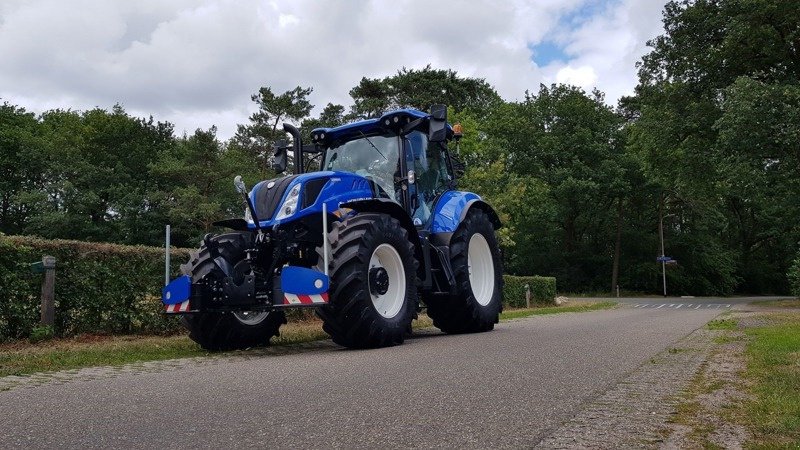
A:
242	189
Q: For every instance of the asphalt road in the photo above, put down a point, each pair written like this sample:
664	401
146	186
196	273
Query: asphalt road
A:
506	388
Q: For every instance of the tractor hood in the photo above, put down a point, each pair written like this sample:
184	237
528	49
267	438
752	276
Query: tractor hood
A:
292	197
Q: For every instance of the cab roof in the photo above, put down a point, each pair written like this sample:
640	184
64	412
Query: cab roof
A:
389	121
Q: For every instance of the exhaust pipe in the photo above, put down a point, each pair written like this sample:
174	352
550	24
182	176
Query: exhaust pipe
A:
297	144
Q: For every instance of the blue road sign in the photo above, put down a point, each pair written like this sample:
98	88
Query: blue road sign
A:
664	258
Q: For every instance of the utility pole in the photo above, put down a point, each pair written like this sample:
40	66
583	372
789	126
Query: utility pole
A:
661	235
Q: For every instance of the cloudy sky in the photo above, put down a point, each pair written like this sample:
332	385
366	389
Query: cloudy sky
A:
195	63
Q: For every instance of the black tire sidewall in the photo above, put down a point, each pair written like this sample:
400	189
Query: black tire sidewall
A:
351	318
480	224
399	242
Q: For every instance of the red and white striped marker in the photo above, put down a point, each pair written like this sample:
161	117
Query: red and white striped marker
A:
293	299
177	307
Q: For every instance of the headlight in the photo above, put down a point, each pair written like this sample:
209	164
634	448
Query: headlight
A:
290	205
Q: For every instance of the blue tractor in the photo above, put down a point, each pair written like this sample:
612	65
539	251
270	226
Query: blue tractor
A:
378	233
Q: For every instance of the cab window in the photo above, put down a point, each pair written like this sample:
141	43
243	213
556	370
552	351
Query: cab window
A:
431	173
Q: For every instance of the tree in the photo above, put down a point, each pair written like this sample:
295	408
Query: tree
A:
682	128
195	184
22	167
266	124
97	180
331	116
420	89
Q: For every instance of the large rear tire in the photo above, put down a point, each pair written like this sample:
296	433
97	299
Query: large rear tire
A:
372	282
227	331
477	267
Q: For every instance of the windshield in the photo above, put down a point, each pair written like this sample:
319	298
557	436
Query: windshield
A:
374	157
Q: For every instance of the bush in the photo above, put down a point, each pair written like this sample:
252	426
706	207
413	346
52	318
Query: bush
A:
543	290
794	276
99	288
41	333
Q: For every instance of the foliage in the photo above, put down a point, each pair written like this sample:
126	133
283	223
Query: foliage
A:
100	288
41	333
420	89
266	125
543	290
714	122
794	276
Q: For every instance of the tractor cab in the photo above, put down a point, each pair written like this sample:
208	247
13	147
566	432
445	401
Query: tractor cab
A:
403	154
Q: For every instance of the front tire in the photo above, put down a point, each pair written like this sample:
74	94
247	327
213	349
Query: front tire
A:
227	331
477	301
373	282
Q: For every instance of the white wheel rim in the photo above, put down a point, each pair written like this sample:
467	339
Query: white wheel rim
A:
250	317
481	269
389	304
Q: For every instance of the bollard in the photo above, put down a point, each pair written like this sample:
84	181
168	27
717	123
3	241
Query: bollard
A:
617	291
527	296
48	287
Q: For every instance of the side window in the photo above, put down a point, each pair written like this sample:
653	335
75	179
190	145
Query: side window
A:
431	173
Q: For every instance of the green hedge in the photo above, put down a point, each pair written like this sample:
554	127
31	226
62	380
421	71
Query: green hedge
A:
108	288
99	288
543	290
794	276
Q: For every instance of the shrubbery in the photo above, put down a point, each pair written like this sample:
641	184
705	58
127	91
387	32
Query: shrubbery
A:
543	290
99	288
109	288
794	276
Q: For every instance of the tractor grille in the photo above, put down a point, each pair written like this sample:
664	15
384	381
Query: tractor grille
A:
267	200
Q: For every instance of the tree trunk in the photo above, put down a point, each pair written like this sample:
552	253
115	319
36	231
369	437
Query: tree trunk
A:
617	247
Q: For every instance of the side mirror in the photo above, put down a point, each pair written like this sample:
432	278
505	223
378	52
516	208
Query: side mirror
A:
437	125
239	185
279	157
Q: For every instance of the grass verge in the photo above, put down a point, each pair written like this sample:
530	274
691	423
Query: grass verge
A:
91	351
24	358
751	382
784	303
583	307
773	368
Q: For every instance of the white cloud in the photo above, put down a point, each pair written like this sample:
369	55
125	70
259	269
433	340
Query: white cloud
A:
583	76
611	43
197	63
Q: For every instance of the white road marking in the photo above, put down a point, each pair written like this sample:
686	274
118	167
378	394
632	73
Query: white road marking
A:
698	306
662	306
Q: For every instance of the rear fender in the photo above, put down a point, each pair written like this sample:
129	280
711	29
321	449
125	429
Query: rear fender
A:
453	207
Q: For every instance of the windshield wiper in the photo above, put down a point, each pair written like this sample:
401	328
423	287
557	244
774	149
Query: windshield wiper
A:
373	145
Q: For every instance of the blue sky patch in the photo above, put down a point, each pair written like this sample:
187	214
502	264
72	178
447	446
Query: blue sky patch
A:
546	52
552	50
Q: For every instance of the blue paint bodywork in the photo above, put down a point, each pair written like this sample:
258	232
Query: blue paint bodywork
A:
177	291
341	187
301	281
448	210
370	126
